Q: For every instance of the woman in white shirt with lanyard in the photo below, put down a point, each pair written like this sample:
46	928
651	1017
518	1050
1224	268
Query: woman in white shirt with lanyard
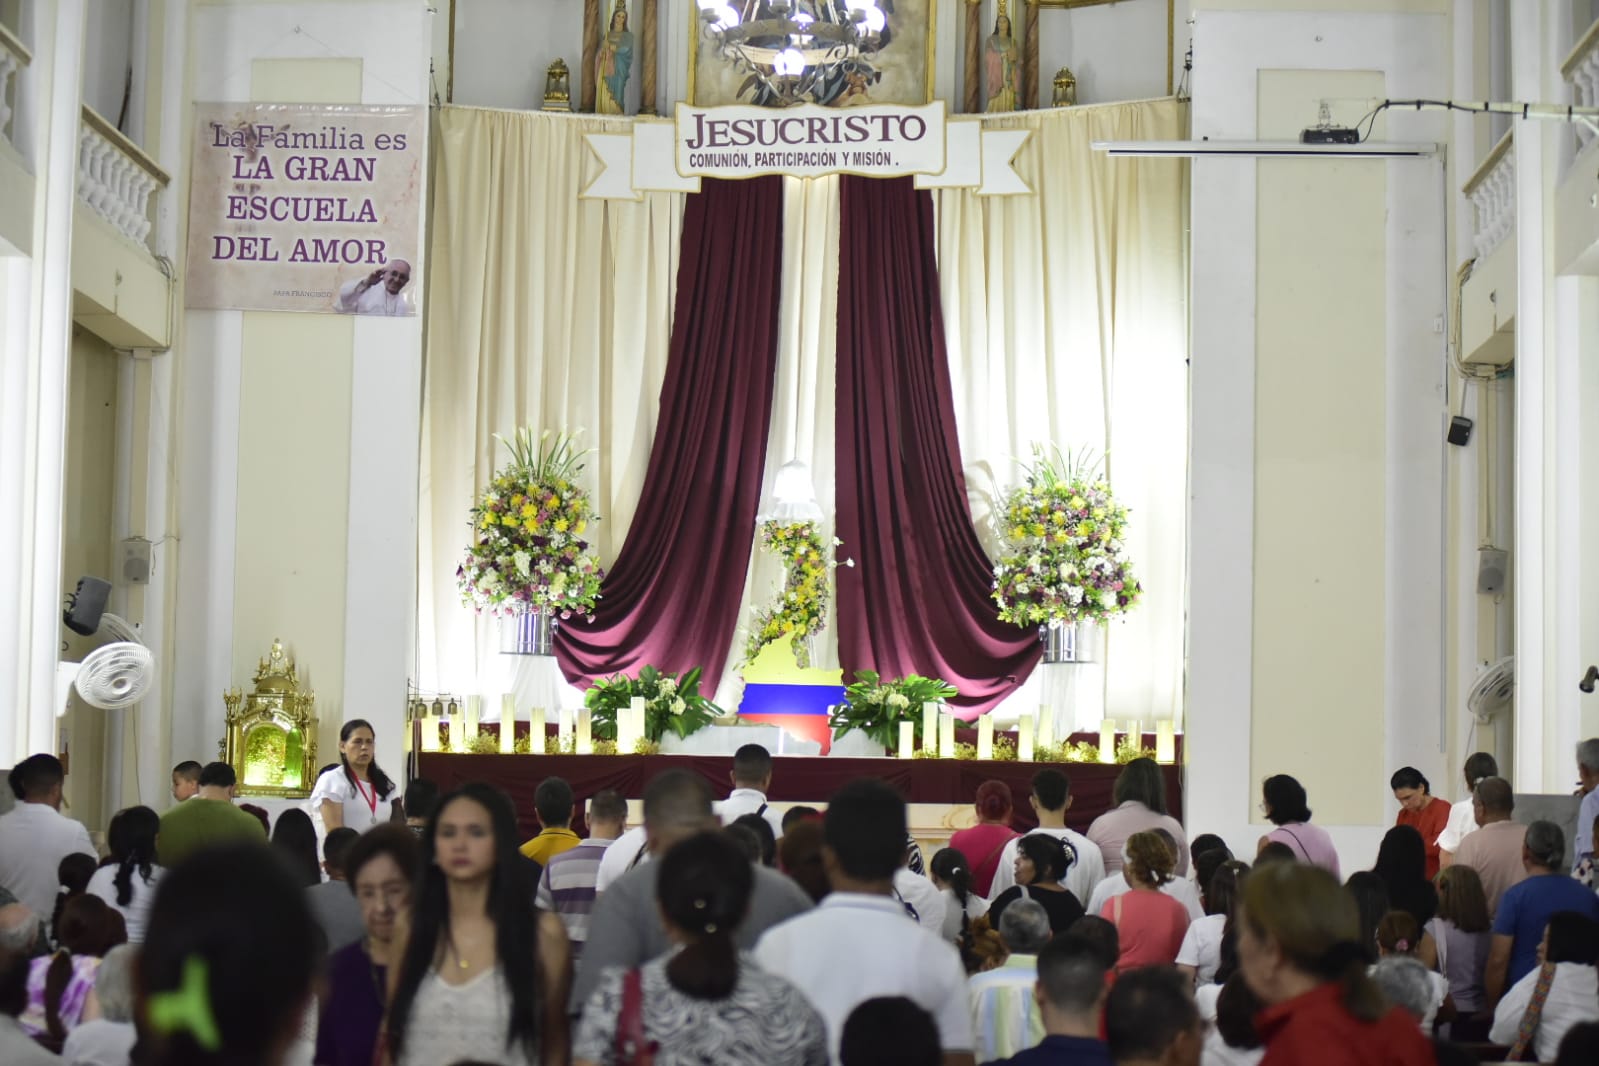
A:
356	793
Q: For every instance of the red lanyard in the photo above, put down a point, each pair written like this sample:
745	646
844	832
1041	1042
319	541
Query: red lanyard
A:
371	799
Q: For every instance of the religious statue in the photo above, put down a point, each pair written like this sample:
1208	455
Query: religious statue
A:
613	64
1004	66
557	87
1065	88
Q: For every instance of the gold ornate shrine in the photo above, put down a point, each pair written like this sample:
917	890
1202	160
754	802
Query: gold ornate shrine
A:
271	740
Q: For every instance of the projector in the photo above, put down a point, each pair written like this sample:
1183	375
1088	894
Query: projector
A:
1328	135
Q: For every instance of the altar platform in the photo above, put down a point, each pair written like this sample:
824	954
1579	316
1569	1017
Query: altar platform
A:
940	792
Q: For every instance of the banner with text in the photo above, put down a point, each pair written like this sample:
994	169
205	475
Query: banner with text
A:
881	141
305	207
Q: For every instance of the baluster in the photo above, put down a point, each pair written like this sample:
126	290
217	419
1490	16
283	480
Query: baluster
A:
122	205
141	201
8	67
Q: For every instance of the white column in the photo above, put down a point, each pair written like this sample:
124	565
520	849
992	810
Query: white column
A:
1530	558
36	357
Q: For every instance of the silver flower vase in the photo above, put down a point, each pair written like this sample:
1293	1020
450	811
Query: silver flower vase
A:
1069	642
528	634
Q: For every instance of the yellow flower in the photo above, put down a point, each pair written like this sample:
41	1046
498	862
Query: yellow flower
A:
1059	518
1038	529
580	526
528	510
509	521
1060	537
560	525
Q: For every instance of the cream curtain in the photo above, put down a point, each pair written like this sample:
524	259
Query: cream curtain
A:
546	310
1066	317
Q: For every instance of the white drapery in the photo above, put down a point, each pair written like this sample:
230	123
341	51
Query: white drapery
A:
546	310
1066	319
1064	312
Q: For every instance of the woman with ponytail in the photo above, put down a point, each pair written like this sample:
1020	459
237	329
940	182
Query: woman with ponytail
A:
1299	949
356	793
61	985
702	1002
952	875
127	883
224	975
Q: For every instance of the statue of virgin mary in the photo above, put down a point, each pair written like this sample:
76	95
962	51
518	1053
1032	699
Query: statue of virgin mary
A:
613	65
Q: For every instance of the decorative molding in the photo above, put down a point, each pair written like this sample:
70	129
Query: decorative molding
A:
591	50
647	91
1029	99
972	84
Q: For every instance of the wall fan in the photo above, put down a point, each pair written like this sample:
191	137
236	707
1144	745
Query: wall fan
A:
113	676
1494	690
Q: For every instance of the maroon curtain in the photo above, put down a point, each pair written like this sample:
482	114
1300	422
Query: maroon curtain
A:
671	598
917	600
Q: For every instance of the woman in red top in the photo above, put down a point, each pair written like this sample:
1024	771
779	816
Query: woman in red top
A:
1299	949
983	842
1421	810
1150	925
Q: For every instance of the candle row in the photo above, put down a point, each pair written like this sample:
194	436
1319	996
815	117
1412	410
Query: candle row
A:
573	729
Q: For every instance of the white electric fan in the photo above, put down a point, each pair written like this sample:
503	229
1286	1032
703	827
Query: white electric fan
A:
1493	691
113	676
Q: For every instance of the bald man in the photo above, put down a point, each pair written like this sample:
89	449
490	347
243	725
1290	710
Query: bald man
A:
379	293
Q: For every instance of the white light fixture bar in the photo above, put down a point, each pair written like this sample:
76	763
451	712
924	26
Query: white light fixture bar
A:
1267	149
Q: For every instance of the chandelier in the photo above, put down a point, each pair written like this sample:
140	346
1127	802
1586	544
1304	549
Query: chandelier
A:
797	51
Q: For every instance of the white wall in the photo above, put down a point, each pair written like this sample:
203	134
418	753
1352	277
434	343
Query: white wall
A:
298	504
1357	688
106	55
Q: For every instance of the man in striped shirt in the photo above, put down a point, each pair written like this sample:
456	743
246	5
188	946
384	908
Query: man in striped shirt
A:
567	884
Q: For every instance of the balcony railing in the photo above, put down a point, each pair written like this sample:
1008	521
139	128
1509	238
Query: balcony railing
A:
1581	69
115	178
14	55
1492	192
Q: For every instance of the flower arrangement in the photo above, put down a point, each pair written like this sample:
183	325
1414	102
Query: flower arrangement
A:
800	609
877	707
1065	534
1004	750
527	553
672	704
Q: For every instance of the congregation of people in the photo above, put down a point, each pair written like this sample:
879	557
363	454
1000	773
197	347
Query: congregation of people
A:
392	925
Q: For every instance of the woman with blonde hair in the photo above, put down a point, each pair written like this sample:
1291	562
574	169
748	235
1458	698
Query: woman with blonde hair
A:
1150	924
1299	948
1456	945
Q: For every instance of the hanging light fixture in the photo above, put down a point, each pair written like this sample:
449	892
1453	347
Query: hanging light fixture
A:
796	51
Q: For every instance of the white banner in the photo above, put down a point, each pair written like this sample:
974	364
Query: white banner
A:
806	142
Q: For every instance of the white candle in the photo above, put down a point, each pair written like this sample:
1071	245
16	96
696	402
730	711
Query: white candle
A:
930	727
1046	726
1165	741
907	740
474	712
985	737
1135	732
946	738
585	737
508	725
636	728
430	733
1024	739
1107	740
563	728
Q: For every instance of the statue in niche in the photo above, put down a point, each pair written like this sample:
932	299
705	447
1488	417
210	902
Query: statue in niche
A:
613	65
1004	65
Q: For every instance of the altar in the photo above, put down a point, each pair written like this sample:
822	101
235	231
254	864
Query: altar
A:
939	792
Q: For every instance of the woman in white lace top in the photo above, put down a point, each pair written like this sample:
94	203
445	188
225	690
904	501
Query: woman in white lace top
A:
482	975
704	1002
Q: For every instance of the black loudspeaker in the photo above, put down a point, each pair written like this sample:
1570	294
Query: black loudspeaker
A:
88	604
1491	566
1459	431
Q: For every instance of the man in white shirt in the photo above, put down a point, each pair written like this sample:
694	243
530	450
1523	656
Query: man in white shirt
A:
1051	799
624	853
379	293
751	777
859	944
1462	817
36	836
